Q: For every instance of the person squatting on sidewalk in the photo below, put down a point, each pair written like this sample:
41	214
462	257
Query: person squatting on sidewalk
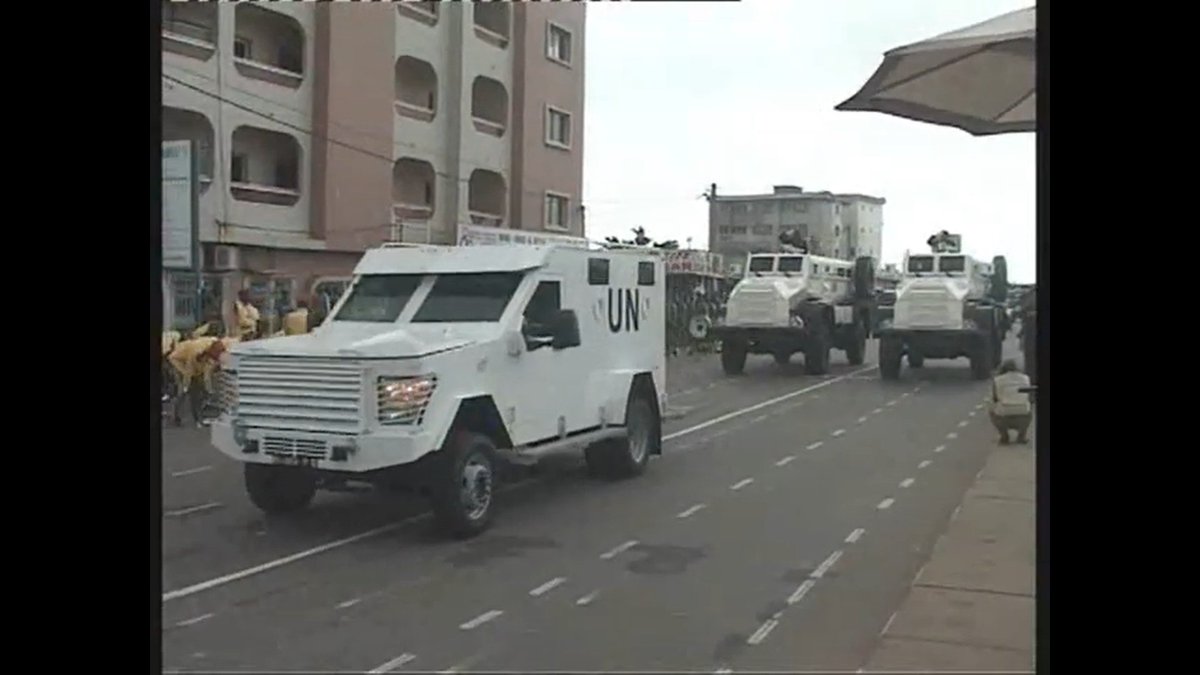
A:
1011	410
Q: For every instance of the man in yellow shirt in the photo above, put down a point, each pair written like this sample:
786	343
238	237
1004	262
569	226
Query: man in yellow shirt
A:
296	321
247	316
194	362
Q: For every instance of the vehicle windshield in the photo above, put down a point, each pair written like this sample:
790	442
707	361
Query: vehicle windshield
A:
379	298
762	263
952	263
791	263
473	297
920	263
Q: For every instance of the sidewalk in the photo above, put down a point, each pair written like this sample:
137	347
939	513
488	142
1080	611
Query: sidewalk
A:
972	606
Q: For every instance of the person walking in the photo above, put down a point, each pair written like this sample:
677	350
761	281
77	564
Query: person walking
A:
194	362
1011	409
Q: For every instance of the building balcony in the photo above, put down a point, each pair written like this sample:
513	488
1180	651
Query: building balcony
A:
426	12
487	198
493	22
264	167
264	194
189	29
413	189
416	89
487	219
268	46
489	106
186	125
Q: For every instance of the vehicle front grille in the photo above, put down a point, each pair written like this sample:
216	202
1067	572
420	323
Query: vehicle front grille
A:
299	394
756	308
279	446
929	310
226	391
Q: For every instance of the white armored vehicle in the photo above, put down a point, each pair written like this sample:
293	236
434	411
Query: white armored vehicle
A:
440	365
947	305
793	302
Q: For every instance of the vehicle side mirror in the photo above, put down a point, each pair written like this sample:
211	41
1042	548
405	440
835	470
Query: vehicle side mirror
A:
565	330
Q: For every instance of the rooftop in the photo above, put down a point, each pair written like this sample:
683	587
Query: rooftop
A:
791	194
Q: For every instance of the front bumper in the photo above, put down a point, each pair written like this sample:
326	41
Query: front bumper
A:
332	452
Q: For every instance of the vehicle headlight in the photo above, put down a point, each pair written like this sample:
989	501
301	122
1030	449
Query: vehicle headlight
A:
402	400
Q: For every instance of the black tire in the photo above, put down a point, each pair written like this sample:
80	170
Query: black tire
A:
864	278
733	357
277	490
890	352
916	360
856	350
817	350
628	457
997	350
783	358
981	358
999	287
462	484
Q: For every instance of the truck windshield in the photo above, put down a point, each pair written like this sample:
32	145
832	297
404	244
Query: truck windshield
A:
920	263
379	298
791	263
952	263
477	296
762	263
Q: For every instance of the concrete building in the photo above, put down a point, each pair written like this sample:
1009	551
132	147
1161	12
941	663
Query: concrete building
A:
836	225
327	128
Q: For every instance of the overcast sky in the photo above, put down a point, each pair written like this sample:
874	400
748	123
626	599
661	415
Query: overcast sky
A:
680	95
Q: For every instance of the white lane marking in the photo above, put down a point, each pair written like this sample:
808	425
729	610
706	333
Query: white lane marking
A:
979	407
547	587
349	603
962	424
587	599
758	419
971	413
891	402
194	509
887	503
762	632
785	460
924	464
610	554
952	435
801	591
481	619
722	671
689	511
764	404
862	419
814	446
877	411
888	625
855	535
384	529
393	664
194	620
906	394
939	448
188	472
838	432
907	482
824	567
741	484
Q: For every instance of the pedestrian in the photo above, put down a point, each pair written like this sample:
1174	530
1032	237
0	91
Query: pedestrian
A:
296	321
193	362
247	315
1011	409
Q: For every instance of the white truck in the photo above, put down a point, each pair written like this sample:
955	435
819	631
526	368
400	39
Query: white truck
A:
441	365
947	305
791	302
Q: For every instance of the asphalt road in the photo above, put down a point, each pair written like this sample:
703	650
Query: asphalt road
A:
779	531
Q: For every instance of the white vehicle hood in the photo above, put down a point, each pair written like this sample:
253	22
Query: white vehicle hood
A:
948	287
349	339
784	287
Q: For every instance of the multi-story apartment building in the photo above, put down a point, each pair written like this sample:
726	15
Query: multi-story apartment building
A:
327	128
836	225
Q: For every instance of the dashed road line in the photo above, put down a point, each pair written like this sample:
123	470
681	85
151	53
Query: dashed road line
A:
587	599
824	566
349	603
885	504
877	411
189	472
952	435
907	482
855	535
691	510
481	619
758	419
393	664
785	460
971	413
962	424
891	403
194	620
741	484
801	590
837	432
924	463
762	632
862	419
722	671
939	448
610	554
906	394
888	625
814	446
194	509
547	587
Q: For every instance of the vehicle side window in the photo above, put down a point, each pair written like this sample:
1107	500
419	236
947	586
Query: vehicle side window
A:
543	307
645	274
597	272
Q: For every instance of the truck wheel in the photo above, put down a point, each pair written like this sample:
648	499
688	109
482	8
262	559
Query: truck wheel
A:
997	351
981	359
462	485
915	360
733	357
783	358
856	350
279	489
890	352
627	457
999	285
816	352
864	278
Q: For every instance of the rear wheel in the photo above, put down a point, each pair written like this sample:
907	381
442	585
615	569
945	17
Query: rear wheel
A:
856	350
816	352
627	457
890	352
733	357
462	484
981	358
279	489
783	358
915	360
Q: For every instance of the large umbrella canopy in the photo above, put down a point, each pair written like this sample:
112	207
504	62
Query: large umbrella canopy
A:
981	79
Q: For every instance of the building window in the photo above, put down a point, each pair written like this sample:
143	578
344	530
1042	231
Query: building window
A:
762	229
242	48
800	207
558	44
557	211
558	128
738	229
837	230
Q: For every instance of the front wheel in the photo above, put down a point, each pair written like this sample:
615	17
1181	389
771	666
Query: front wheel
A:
856	351
279	489
463	485
890	352
733	357
915	360
981	358
816	352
